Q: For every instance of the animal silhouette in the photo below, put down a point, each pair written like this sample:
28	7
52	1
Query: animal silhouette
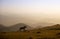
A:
23	28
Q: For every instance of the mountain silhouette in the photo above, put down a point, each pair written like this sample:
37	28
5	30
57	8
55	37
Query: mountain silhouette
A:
12	28
2	27
17	27
53	27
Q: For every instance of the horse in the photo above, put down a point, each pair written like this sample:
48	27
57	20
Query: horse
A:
23	28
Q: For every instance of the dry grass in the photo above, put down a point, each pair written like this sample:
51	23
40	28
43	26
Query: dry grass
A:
44	34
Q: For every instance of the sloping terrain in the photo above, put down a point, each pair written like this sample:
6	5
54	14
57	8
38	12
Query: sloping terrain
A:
43	33
13	28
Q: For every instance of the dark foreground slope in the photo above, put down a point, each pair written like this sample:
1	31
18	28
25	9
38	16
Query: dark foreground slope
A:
43	33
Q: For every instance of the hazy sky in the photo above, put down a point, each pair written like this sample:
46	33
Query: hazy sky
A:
29	11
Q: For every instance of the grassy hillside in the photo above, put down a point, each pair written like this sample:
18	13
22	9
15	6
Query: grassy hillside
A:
43	33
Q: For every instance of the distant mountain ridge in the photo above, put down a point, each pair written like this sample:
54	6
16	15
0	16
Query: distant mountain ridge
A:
53	27
13	27
16	27
2	27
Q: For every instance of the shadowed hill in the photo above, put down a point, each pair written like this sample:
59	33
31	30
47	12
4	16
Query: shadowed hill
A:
41	33
53	27
13	27
16	27
2	27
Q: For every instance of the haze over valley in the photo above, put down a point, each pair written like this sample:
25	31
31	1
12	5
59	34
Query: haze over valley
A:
30	12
